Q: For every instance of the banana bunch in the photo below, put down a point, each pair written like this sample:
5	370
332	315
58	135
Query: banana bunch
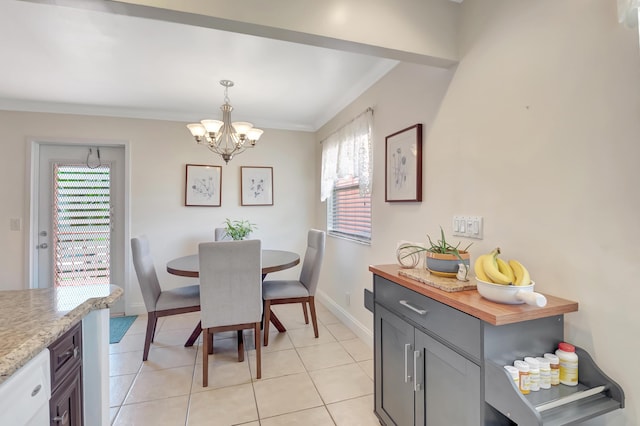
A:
490	268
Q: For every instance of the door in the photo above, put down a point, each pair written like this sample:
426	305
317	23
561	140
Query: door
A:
394	367
80	217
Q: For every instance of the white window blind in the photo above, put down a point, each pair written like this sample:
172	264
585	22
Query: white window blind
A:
346	179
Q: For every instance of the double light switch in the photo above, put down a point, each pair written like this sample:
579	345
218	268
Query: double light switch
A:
467	226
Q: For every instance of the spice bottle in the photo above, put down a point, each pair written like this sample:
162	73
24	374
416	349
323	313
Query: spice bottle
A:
515	374
554	364
524	378
534	373
568	364
545	372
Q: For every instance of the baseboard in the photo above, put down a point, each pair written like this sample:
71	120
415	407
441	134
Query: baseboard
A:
136	309
347	319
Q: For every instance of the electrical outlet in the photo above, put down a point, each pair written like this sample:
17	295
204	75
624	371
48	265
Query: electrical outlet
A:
15	224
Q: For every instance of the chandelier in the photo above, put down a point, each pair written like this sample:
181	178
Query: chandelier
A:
224	137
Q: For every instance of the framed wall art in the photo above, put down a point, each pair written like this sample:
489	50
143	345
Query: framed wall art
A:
203	185
256	186
403	165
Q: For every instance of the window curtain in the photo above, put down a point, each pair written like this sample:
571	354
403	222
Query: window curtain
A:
347	153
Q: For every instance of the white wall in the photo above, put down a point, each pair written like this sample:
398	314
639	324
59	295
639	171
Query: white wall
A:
159	151
538	133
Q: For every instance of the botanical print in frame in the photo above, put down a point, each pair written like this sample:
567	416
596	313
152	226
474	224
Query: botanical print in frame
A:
403	165
256	186
203	185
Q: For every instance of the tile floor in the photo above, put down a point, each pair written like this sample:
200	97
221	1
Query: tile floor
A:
305	381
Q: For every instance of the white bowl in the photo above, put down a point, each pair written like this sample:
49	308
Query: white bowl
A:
511	294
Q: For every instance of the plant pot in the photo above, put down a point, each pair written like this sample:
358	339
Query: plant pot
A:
446	264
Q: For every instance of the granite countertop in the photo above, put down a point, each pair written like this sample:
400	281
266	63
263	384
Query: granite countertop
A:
30	320
470	301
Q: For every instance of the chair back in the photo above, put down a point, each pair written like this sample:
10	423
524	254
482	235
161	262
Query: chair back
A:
230	282
220	234
145	271
310	273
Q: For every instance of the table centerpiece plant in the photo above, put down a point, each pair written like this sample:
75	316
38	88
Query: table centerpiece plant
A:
239	229
442	257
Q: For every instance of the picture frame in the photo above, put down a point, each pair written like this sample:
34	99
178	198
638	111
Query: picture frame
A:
403	165
256	186
203	185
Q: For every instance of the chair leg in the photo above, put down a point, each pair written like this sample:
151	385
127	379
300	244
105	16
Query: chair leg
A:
267	319
256	333
240	346
210	345
207	337
312	308
152	319
304	311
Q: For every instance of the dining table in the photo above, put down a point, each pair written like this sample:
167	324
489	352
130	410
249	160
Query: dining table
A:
272	261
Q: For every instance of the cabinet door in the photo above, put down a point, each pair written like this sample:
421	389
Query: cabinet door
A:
65	405
394	346
450	391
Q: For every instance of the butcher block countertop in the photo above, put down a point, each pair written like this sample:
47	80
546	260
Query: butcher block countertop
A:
30	320
470	301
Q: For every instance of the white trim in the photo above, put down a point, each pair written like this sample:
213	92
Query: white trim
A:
364	333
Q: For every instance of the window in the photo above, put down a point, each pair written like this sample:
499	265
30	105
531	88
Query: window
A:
346	179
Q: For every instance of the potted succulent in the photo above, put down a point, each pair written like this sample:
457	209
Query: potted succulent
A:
442	257
238	229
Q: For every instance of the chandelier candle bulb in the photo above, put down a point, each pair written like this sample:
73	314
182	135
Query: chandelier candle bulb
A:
554	364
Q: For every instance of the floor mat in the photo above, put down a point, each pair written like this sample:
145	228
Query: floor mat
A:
118	326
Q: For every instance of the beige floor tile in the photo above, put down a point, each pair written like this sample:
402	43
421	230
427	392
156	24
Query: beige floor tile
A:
358	349
157	384
354	412
171	337
285	395
125	363
277	342
276	364
227	406
113	412
130	342
324	356
326	317
305	336
139	326
318	416
222	373
223	349
161	412
291	316
368	367
340	331
343	382
169	357
118	388
179	322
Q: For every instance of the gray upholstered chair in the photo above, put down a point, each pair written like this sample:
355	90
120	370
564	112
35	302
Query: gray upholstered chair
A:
220	234
159	303
230	294
303	290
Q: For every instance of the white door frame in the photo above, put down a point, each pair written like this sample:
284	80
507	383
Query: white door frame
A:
32	178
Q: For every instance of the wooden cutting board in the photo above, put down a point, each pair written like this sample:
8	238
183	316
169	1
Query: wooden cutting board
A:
442	283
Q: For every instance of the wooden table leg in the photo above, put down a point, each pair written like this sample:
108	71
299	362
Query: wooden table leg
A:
194	336
276	323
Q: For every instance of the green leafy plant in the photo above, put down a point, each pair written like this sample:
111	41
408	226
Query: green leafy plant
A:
239	229
441	246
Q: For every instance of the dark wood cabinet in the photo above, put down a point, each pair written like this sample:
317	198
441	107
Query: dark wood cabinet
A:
65	405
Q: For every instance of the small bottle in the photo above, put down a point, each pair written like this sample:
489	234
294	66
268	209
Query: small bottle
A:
568	364
545	372
534	373
515	374
554	364
524	378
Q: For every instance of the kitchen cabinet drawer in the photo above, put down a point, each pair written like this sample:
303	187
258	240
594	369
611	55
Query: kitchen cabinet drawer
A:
66	354
450	325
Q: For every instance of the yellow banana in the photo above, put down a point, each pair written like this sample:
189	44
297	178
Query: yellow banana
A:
506	269
477	267
490	267
521	273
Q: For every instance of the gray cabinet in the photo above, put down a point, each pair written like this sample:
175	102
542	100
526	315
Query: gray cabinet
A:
422	376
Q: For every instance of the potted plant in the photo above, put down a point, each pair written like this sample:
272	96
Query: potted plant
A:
238	229
442	257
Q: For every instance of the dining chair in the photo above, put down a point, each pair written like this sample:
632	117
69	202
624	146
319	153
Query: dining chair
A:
231	294
159	303
303	290
220	234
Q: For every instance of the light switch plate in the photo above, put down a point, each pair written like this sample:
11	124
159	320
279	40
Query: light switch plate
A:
467	226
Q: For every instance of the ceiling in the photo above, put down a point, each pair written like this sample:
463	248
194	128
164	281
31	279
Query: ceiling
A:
72	60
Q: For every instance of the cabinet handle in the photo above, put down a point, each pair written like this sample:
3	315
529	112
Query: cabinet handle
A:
413	308
62	419
416	385
407	377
